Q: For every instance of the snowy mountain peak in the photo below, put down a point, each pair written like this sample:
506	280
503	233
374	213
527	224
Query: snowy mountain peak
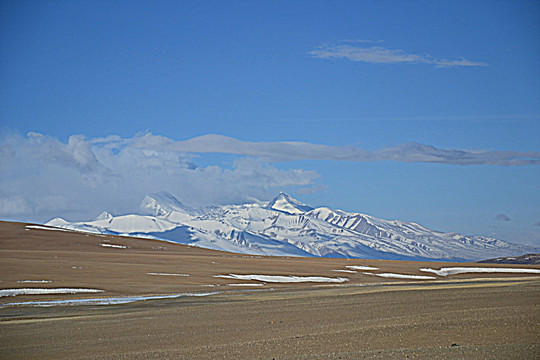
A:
59	222
162	204
286	226
287	204
103	216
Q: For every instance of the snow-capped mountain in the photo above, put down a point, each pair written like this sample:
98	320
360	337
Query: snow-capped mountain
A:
287	204
163	204
285	226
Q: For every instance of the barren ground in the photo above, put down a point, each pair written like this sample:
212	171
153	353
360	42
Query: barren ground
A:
465	316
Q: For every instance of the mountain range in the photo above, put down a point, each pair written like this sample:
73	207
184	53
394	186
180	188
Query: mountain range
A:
287	227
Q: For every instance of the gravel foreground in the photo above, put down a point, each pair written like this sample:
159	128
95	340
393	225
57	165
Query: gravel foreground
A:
494	322
482	316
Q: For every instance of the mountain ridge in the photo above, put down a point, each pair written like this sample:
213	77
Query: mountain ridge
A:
287	204
288	227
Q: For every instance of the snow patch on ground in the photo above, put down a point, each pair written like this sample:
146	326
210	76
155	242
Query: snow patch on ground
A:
361	267
166	274
283	278
115	246
103	301
256	284
402	276
345	271
38	227
37	291
34	281
463	270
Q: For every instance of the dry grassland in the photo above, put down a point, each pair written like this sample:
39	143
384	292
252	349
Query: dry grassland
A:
466	316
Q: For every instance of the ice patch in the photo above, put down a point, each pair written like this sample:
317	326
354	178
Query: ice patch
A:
345	271
402	276
463	270
361	267
283	279
37	227
104	301
37	291
114	246
256	284
166	274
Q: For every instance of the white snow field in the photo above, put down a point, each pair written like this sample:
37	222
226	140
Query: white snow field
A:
286	227
34	281
361	267
283	278
402	276
37	291
38	227
463	270
103	301
115	246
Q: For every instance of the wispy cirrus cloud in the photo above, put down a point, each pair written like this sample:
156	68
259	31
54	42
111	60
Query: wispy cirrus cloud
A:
383	55
288	151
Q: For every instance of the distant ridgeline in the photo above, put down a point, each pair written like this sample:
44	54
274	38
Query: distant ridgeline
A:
528	259
287	227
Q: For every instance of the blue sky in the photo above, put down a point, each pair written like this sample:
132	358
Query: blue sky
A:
99	102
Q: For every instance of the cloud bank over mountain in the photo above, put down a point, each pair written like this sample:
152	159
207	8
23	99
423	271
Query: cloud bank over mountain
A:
42	175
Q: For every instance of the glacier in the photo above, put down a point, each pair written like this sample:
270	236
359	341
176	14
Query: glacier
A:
287	227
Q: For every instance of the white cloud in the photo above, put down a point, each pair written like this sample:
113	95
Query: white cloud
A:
42	177
76	153
382	55
13	204
415	152
269	151
289	151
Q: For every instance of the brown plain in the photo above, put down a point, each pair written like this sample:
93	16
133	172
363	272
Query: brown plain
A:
466	316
